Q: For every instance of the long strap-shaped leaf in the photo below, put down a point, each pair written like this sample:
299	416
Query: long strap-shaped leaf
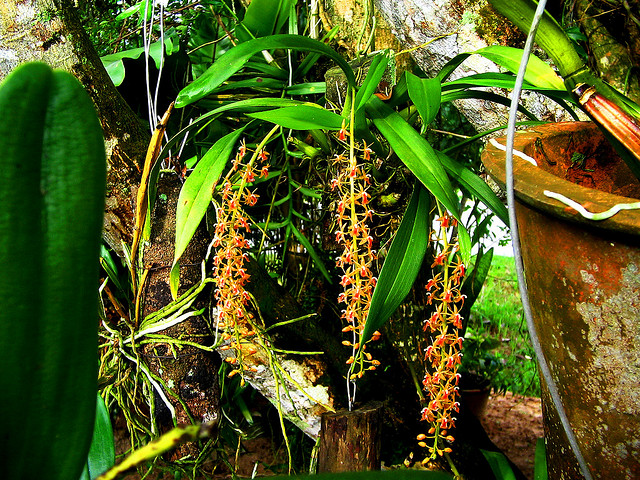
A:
52	184
422	160
195	198
402	264
232	61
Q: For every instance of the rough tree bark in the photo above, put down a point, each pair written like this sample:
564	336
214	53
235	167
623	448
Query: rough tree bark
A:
613	38
452	27
50	31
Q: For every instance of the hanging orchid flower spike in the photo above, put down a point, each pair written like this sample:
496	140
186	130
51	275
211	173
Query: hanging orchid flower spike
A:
353	213
443	354
235	318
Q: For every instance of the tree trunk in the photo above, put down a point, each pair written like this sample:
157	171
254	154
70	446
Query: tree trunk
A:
50	31
350	441
444	29
613	39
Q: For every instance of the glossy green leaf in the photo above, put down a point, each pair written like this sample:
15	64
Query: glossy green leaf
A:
52	188
550	35
106	260
415	152
114	64
301	117
374	75
312	252
540	466
232	61
484	95
538	72
403	262
475	279
475	186
499	465
262	18
195	196
310	88
425	94
132	10
102	454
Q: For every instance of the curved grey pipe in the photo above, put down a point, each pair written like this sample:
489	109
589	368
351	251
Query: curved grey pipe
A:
515	239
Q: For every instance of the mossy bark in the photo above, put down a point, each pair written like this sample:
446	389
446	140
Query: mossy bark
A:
613	42
50	31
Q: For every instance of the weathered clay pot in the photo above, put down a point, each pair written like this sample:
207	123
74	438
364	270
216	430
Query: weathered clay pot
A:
584	285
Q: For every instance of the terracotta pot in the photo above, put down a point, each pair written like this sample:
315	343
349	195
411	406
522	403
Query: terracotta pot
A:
584	285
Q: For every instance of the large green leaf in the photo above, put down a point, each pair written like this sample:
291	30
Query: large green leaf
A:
425	93
422	160
232	61
374	75
195	196
414	151
403	262
499	465
102	454
115	66
301	117
475	185
550	35
262	18
538	72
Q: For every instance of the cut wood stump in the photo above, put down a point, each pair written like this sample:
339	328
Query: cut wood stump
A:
350	441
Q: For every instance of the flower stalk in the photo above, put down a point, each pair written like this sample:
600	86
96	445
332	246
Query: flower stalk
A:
235	318
443	356
353	213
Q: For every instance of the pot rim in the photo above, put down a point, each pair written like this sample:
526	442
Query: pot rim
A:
531	181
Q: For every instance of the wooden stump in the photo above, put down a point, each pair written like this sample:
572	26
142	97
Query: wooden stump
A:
350	441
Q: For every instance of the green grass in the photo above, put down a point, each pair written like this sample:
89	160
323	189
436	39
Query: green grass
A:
497	343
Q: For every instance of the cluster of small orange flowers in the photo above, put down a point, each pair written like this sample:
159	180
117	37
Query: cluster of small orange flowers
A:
353	234
443	355
234	315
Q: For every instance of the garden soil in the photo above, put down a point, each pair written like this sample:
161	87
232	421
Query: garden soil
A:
513	423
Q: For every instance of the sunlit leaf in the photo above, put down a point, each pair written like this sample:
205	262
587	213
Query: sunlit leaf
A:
402	264
102	454
232	61
310	88
538	72
301	117
262	18
374	75
114	64
425	94
195	196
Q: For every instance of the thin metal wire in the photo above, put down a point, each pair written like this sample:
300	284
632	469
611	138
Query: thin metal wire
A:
515	239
